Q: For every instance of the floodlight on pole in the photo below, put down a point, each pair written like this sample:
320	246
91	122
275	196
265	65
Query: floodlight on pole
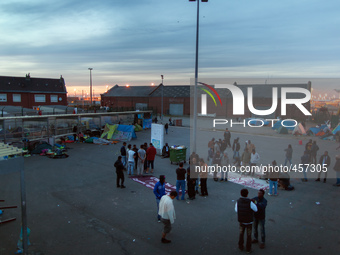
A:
196	75
90	83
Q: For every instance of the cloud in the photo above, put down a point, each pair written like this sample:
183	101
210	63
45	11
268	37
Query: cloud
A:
133	40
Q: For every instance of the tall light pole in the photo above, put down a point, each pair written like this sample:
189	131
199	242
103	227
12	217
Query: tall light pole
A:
91	84
162	96
196	75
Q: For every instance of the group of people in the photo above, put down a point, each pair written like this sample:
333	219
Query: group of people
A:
132	159
251	214
310	157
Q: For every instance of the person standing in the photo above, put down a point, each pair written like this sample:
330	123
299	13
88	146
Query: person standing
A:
203	177
131	160
245	209
236	150
151	154
211	155
308	148
289	154
273	179
314	151
123	154
211	143
259	217
250	146
254	160
120	172
337	170
166	128
217	147
216	162
180	183
245	159
141	158
191	181
227	137
159	191
305	160
167	213
224	162
325	161
146	160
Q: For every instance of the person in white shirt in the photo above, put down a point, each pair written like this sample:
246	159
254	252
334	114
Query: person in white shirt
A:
254	159
245	209
167	213
141	159
131	160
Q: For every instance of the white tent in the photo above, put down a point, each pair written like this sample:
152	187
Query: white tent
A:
299	130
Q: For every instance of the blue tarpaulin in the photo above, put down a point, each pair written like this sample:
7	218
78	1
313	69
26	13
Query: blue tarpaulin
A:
128	129
258	122
315	130
289	124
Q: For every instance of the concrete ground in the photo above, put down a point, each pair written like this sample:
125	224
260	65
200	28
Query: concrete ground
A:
74	206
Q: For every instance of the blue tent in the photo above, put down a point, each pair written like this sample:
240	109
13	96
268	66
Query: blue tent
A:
277	124
289	123
258	122
128	129
314	130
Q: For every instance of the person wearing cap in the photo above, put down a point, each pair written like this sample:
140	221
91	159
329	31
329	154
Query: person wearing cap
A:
337	171
159	191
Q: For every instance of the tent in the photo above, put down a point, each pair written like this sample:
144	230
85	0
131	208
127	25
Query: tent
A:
277	125
282	130
124	133
138	128
258	122
299	130
119	132
289	123
313	130
109	131
336	129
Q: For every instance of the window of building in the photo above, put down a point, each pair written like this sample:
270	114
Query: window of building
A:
3	97
17	98
39	98
54	99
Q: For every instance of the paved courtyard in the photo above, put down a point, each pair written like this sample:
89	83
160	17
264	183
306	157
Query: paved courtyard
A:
74	206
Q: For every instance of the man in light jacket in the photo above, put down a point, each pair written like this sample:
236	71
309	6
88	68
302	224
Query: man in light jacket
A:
167	213
254	159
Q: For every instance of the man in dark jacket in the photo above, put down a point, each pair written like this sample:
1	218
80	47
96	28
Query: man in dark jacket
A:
245	209
191	181
123	153
325	161
259	217
159	191
227	137
119	171
166	128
